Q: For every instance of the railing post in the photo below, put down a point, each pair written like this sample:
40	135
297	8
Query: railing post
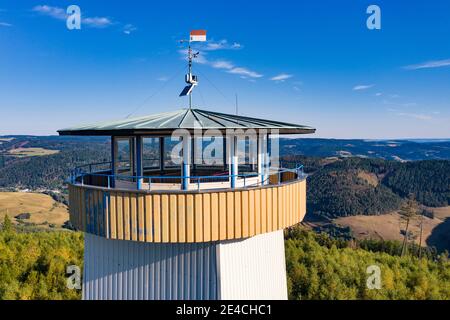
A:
138	162
109	182
185	172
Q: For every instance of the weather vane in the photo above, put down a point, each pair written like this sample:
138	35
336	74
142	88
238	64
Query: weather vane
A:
192	80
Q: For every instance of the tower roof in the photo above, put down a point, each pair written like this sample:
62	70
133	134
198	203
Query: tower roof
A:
189	119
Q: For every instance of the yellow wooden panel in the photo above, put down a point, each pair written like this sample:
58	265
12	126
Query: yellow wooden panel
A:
141	217
280	207
257	211
275	208
148	218
244	212
222	215
198	198
157	218
237	215
134	216
190	234
286	206
292	204
120	213
165	218
181	218
294	195
251	212
173	218
206	217
230	215
269	210
112	215
303	198
126	217
214	216
263	210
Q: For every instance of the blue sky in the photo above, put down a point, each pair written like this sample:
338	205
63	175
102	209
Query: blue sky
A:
309	62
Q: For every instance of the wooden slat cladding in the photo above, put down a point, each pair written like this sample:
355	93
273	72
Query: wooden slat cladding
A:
186	217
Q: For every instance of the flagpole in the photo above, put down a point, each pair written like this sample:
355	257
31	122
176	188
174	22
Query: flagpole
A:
190	72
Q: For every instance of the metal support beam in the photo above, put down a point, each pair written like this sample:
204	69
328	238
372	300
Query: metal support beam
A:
161	153
186	170
262	150
139	162
113	161
233	160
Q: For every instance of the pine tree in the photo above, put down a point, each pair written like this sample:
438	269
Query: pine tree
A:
408	212
7	225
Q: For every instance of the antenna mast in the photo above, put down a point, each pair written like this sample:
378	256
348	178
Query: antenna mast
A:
190	79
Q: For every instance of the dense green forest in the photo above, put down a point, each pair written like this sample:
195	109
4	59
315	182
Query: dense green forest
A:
429	181
337	186
353	186
319	268
33	266
51	172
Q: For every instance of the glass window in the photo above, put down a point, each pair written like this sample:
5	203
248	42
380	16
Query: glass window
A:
150	153
124	156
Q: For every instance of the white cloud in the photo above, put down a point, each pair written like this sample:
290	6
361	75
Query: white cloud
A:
362	87
429	64
54	12
163	78
378	94
417	116
5	24
281	77
222	64
212	45
97	22
245	72
60	14
129	28
225	65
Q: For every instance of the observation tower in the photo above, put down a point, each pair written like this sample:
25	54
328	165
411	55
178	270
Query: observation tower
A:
191	206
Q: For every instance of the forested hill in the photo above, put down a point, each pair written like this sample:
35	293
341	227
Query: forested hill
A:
399	150
338	186
354	186
49	171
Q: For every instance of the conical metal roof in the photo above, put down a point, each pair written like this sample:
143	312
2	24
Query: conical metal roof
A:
190	119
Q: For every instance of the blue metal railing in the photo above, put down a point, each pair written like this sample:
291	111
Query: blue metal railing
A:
84	175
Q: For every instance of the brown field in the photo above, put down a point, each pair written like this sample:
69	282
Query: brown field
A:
371	178
441	213
31	152
389	226
43	209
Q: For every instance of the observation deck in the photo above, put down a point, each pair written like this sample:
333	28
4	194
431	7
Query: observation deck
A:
156	208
